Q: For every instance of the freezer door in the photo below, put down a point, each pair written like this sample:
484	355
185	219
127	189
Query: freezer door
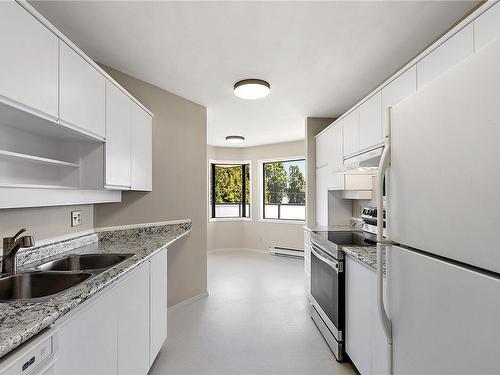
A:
445	319
443	184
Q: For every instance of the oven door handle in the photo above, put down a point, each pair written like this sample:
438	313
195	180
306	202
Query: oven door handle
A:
332	263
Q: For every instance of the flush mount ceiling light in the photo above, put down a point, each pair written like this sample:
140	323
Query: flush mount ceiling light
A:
252	89
235	139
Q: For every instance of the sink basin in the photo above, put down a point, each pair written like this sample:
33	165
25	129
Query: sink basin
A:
84	262
26	286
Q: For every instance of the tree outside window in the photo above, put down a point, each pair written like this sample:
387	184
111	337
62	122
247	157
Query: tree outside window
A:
226	193
284	190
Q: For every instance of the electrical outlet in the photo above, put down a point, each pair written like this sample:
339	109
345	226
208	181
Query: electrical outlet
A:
76	218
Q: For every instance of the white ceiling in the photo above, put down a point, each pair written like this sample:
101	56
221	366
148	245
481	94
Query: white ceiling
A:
319	57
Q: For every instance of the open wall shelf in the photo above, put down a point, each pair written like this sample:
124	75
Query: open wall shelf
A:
17	156
37	153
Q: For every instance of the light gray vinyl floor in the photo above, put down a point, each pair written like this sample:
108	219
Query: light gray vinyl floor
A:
255	321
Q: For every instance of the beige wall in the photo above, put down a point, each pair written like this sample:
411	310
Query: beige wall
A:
179	184
314	125
45	222
255	234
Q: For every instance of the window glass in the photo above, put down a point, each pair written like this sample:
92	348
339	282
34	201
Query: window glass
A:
284	190
228	181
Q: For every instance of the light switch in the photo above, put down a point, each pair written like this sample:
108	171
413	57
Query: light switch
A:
76	218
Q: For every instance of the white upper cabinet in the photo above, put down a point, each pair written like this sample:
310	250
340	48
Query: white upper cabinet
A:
350	127
82	94
29	61
118	132
322	149
451	52
336	157
322	196
370	123
487	27
142	150
398	89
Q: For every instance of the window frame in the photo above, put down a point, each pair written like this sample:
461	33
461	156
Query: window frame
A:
262	189
210	186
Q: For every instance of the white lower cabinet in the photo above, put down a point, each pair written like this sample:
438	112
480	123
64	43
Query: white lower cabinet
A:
158	303
133	322
366	344
87	340
120	330
357	312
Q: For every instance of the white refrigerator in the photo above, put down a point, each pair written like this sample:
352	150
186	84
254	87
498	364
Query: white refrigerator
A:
443	211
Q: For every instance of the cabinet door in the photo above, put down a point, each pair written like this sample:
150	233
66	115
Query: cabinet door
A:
29	62
82	94
336	158
133	322
370	122
118	118
350	127
398	89
322	196
322	149
451	52
158	302
87	341
142	150
358	315
487	27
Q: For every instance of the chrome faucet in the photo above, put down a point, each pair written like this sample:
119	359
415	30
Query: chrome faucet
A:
11	246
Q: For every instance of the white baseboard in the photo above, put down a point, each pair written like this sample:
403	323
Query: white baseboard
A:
188	301
239	248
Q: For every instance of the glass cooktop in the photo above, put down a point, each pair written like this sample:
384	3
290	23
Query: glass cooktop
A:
345	238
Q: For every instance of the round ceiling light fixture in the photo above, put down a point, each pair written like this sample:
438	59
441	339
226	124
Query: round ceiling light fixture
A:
235	139
252	89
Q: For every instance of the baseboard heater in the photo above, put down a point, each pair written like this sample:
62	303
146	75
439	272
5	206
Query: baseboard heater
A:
286	251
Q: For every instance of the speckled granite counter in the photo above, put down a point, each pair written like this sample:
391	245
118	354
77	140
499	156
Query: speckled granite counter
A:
329	228
19	321
365	254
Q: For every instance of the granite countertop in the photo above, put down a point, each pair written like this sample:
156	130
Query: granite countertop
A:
329	228
365	254
19	321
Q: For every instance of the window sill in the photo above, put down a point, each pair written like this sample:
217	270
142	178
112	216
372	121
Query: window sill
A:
228	219
277	221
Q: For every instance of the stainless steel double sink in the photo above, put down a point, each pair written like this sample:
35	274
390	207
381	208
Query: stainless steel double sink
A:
56	276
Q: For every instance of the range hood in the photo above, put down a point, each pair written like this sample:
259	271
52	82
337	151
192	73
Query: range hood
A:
363	164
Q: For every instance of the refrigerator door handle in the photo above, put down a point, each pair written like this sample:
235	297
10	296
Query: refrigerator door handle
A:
381	242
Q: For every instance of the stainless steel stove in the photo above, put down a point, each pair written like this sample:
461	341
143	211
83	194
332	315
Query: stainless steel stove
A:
328	278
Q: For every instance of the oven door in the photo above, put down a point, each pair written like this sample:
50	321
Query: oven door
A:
327	290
